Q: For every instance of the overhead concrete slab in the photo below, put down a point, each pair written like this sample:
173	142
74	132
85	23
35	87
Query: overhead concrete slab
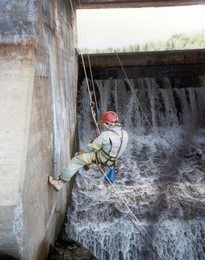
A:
89	4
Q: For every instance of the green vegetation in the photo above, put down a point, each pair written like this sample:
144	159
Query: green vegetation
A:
181	41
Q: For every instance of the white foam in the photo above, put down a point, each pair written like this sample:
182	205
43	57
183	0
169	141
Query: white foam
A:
163	181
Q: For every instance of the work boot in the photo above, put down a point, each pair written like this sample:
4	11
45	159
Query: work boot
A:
57	184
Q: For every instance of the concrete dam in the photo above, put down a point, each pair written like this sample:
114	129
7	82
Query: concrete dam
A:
40	74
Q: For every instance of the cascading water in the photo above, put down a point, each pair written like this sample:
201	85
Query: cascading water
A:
163	180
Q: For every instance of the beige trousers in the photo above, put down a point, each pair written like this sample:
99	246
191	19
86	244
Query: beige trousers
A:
76	164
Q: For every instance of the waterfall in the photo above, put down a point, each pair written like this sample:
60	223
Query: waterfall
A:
163	180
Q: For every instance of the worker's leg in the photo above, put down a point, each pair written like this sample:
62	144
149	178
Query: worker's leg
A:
76	164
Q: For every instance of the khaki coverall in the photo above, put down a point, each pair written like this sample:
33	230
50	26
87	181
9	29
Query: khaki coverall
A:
108	142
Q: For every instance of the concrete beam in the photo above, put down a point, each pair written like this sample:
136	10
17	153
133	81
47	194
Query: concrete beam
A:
181	66
171	71
136	59
89	4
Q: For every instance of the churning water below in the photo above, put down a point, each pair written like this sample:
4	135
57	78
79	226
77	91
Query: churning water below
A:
163	181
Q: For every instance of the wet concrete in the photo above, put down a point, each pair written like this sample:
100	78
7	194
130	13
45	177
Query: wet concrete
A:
69	250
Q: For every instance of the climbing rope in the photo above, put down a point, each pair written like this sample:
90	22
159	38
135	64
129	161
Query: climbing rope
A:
95	107
86	78
96	123
133	215
93	85
133	92
92	104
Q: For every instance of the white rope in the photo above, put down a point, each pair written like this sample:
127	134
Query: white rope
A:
133	215
132	89
90	96
95	117
86	78
87	82
93	85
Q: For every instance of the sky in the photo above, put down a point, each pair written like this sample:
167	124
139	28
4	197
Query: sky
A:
104	28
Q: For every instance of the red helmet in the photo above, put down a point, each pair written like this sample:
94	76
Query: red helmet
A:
110	117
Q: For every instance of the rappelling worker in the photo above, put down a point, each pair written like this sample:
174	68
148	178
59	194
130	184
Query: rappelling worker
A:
103	151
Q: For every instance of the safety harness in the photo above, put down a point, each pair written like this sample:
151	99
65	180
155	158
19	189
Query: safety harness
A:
108	157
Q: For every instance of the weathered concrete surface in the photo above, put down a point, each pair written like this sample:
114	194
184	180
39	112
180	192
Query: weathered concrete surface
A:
15	99
150	58
134	3
37	121
182	66
17	20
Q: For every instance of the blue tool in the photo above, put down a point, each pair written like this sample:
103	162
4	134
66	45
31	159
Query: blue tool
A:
111	176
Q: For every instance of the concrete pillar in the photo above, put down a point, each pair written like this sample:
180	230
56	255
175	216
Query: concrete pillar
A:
38	79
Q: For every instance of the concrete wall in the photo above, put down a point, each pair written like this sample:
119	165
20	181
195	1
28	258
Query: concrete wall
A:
38	83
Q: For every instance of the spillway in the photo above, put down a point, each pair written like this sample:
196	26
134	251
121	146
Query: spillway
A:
163	179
